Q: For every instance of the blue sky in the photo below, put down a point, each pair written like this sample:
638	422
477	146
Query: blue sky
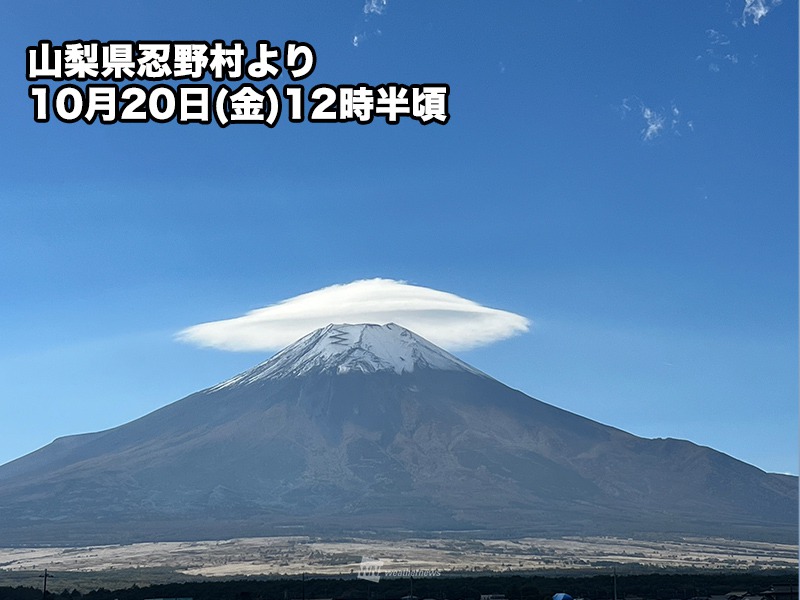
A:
621	173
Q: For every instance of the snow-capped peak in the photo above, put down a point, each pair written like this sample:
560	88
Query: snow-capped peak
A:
346	348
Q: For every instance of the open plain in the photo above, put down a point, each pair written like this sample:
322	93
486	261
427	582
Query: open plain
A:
293	555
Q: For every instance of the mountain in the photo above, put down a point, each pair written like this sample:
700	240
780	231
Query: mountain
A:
368	428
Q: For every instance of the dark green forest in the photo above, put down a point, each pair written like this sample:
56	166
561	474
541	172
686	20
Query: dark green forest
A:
518	587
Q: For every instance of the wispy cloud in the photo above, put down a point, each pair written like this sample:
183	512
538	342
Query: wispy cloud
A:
445	319
656	121
718	51
371	8
375	7
715	38
755	10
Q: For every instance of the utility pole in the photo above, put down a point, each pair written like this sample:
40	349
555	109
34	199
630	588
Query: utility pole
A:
44	587
304	585
615	583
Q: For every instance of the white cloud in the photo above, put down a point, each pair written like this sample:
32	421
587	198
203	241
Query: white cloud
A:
716	38
445	319
719	49
655	119
655	123
371	7
375	7
757	9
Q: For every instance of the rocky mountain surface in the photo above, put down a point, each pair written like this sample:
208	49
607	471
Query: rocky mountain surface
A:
372	430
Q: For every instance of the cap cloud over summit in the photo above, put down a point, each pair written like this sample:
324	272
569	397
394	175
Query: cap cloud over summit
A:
442	317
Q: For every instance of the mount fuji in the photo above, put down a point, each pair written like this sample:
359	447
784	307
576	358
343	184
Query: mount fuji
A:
372	429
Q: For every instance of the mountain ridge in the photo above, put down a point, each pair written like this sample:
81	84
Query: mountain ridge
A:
381	447
345	347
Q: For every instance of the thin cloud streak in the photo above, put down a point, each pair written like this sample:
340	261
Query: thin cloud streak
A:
445	319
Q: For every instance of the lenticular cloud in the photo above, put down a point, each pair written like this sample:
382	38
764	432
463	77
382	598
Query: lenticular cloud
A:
445	319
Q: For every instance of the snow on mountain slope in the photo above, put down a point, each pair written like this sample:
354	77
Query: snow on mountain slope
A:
346	348
372	428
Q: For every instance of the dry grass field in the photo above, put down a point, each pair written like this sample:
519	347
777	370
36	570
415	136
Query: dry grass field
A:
294	555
